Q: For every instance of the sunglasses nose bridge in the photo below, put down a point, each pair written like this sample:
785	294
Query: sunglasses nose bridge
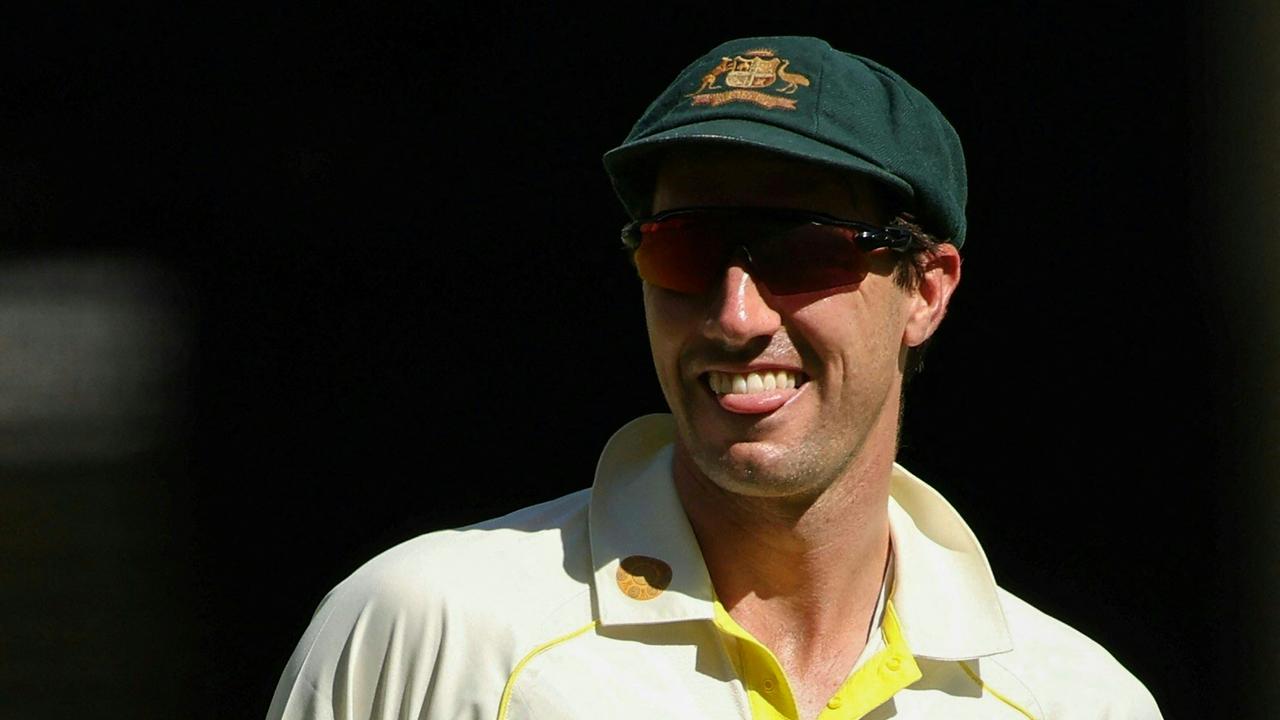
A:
739	255
760	274
741	312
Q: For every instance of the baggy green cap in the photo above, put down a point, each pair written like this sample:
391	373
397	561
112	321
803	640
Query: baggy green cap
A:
800	97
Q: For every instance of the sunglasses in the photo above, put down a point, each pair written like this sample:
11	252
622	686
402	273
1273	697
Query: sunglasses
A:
790	251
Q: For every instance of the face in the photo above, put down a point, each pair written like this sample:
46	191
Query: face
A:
718	353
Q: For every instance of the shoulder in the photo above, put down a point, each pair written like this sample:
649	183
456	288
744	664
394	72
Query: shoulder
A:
1070	674
539	550
491	582
438	621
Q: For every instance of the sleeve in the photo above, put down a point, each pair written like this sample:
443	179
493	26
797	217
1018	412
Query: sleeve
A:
366	655
1071	675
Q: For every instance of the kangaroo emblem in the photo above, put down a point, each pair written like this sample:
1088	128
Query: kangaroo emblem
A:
709	80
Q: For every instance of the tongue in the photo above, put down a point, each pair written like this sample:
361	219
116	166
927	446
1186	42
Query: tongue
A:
755	403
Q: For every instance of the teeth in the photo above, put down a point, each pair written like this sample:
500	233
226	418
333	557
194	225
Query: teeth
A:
740	383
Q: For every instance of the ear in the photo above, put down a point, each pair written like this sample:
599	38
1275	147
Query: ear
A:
928	302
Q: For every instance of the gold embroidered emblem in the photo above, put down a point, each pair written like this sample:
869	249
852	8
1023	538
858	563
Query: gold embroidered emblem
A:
643	578
746	77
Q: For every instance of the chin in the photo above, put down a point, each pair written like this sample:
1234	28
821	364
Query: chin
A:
757	470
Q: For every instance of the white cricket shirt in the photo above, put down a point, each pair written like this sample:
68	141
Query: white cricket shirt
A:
599	605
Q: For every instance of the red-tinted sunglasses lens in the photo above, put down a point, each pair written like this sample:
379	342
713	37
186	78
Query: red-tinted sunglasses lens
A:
689	253
807	258
685	254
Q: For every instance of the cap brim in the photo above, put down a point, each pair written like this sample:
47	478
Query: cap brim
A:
630	163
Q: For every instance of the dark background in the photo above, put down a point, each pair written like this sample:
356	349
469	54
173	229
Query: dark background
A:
388	251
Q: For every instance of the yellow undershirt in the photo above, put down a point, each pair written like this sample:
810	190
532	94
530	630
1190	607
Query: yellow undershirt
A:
869	686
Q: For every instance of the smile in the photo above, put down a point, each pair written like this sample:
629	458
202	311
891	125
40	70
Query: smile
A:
723	383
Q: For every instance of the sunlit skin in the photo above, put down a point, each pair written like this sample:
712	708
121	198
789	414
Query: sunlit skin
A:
789	505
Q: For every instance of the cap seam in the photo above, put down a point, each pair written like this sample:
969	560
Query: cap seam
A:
822	88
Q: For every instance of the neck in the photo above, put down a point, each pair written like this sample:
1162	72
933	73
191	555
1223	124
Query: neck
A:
802	575
795	551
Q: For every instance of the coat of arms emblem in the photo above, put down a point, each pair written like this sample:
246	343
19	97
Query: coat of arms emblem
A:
747	77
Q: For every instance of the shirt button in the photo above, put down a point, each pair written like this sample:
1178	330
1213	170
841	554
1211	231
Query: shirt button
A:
893	664
834	703
768	685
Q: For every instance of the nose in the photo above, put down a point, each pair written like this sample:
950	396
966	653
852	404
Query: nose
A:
740	312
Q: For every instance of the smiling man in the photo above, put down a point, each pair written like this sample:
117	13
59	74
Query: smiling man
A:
798	214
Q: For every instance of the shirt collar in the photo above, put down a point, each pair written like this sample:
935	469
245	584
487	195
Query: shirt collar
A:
943	590
635	512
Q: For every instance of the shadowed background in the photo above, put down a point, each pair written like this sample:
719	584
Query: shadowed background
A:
279	289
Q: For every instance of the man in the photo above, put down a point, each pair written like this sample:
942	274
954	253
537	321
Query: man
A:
758	553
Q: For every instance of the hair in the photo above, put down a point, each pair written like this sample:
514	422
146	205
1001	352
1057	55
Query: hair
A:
908	274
